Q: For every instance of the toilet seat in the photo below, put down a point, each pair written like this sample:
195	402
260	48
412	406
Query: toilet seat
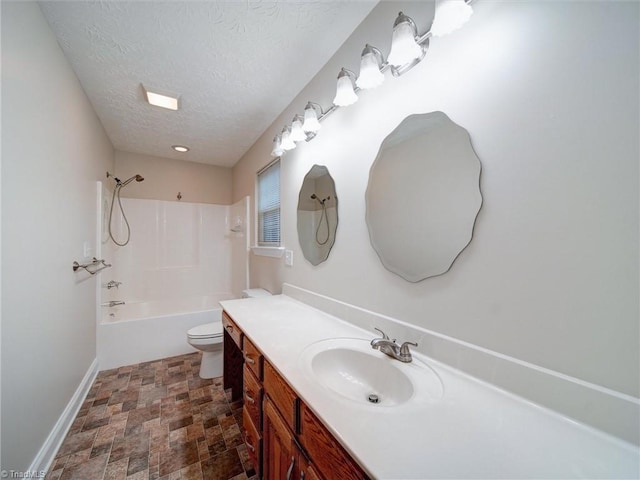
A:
208	330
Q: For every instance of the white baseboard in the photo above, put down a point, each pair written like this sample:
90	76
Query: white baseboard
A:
45	456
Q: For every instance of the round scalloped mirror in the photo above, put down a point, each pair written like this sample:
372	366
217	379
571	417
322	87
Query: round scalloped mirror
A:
423	196
317	214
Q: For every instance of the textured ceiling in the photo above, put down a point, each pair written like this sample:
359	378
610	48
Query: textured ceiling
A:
235	64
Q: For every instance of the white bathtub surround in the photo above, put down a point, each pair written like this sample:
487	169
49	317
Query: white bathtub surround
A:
182	259
157	335
474	430
177	250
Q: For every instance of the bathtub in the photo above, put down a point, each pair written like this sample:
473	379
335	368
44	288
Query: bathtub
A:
143	331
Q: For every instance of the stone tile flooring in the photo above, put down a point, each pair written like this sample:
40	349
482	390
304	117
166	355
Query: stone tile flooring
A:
155	420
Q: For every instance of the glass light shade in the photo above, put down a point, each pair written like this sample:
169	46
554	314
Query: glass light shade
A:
370	74
404	48
287	143
344	92
297	132
311	123
450	16
277	148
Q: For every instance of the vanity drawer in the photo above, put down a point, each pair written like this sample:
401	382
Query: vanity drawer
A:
329	458
252	394
232	329
281	394
253	441
252	358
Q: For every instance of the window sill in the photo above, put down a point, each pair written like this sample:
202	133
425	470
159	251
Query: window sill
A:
274	252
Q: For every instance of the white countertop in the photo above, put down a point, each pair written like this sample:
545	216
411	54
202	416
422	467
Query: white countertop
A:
473	431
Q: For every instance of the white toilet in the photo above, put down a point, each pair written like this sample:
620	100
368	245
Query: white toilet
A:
208	339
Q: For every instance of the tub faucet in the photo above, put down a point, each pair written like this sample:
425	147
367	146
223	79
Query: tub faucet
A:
391	348
112	303
112	284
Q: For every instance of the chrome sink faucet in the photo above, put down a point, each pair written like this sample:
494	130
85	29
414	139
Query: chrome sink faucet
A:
391	348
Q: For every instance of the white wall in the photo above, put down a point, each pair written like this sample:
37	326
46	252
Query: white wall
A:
53	150
549	94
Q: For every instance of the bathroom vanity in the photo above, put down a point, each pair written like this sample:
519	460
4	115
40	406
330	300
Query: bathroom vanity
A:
306	415
284	437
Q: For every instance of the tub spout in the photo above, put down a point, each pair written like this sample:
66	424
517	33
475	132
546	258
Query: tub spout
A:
112	303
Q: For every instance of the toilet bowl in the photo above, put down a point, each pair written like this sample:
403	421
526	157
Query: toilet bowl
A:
208	339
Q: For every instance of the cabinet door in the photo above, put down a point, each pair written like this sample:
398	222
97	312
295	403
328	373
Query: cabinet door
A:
253	441
305	470
328	456
279	449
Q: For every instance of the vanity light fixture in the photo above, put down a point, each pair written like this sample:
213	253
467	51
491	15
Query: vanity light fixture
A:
286	143
311	117
277	146
371	64
297	132
160	100
407	50
180	148
450	16
345	91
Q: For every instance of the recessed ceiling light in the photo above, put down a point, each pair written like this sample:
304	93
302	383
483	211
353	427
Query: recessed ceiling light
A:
161	100
180	148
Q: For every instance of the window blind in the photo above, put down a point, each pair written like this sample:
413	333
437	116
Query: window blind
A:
269	205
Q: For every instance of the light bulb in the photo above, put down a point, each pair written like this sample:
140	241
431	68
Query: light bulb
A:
277	148
297	132
404	48
370	74
450	16
345	95
287	143
311	123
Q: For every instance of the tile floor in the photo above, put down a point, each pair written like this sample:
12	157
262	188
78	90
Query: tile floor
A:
155	420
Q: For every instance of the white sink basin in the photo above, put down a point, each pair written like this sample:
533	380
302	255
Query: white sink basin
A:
350	368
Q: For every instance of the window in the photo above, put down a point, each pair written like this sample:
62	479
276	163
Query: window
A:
269	205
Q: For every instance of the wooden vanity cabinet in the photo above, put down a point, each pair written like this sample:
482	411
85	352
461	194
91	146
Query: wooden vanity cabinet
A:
285	440
329	457
283	457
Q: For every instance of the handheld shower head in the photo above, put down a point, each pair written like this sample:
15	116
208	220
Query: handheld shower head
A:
136	177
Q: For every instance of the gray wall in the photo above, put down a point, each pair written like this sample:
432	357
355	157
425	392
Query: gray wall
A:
549	94
53	151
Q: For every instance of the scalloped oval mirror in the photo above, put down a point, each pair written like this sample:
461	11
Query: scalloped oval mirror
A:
317	214
423	196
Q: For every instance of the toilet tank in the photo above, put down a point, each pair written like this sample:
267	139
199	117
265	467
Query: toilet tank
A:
255	292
